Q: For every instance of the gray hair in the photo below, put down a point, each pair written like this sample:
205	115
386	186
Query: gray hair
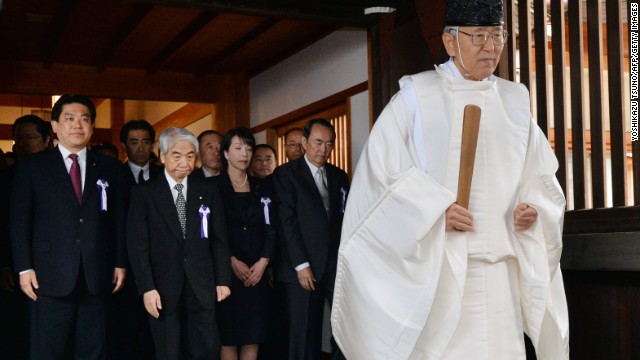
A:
172	135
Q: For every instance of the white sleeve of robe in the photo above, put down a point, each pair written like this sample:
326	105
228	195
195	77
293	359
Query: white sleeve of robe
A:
538	250
392	245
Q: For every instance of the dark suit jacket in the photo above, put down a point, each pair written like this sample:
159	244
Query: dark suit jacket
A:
249	223
161	258
6	184
52	234
130	179
308	233
199	173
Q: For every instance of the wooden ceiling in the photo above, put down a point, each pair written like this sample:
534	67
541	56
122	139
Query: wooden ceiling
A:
193	40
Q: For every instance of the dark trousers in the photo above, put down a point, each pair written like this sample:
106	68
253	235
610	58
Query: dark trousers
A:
304	320
68	327
187	332
129	334
14	324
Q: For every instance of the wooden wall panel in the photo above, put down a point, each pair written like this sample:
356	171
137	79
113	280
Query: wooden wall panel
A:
598	156
616	102
579	155
604	313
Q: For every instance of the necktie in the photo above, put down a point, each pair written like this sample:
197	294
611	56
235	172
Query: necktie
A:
76	179
321	183
181	205
141	176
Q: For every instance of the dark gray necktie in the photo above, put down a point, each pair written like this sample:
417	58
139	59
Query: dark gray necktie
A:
181	206
141	176
321	183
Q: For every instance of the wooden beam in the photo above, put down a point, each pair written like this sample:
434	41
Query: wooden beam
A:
30	101
210	65
30	78
186	115
195	26
61	22
524	21
598	155
117	121
559	85
610	252
431	18
507	67
343	13
604	220
124	30
579	156
616	103
312	108
232	108
541	56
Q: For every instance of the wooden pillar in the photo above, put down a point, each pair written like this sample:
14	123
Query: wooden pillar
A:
231	109
117	121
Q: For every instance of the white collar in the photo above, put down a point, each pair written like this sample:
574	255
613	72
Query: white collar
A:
172	182
450	68
312	167
82	154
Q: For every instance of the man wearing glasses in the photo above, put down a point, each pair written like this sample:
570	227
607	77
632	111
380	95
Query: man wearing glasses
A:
420	277
293	144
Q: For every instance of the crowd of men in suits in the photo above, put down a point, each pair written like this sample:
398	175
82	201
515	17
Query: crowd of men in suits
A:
128	261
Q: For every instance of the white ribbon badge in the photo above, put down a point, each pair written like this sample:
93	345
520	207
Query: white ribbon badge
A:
102	186
265	206
204	221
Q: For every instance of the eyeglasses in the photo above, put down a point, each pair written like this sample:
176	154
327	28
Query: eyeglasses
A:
479	39
293	145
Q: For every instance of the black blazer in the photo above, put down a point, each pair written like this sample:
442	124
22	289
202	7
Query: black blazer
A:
250	224
307	232
161	258
199	173
6	184
130	179
53	235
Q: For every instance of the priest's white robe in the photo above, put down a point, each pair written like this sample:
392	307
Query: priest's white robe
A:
400	281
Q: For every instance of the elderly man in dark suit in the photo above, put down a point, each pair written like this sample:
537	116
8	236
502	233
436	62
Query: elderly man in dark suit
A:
68	236
312	195
177	240
209	141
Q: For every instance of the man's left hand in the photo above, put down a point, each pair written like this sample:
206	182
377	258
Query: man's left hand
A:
119	274
524	216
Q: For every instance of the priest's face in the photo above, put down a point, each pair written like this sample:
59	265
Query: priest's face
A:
475	50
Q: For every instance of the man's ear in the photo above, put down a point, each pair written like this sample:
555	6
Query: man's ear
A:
449	42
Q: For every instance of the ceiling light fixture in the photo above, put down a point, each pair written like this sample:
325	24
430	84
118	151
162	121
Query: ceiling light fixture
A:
378	10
